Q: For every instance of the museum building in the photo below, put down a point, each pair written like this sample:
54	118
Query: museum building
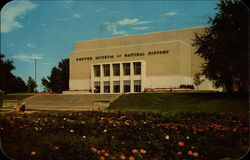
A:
135	63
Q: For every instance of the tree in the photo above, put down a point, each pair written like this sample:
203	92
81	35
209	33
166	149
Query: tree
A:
64	68
58	80
31	85
224	47
197	80
6	66
46	84
9	82
18	85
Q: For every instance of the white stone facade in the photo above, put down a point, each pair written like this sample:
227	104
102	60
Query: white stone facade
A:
121	78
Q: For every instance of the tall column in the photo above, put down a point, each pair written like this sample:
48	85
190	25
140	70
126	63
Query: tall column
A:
111	78
143	75
92	78
101	78
121	78
131	77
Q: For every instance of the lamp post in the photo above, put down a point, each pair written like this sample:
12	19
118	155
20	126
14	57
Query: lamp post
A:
35	74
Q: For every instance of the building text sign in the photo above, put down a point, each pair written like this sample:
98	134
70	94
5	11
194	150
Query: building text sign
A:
137	54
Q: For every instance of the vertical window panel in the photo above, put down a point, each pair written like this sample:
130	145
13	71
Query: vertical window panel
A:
106	69
116	86
97	87
97	70
106	86
116	69
137	68
126	68
126	86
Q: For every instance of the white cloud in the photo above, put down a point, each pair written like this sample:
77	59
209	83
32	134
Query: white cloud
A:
144	22
140	28
113	28
11	11
76	16
31	45
135	21
126	22
12	45
173	13
28	57
67	3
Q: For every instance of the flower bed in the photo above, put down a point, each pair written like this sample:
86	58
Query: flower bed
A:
131	136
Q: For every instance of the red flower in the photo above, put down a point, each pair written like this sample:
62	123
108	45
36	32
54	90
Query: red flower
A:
103	151
201	130
93	149
106	154
195	154
179	153
131	158
235	130
180	143
190	153
102	158
135	151
142	151
123	157
33	153
55	147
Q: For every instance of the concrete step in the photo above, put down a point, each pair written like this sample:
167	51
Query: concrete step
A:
70	101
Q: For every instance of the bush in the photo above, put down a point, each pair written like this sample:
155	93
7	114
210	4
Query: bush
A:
187	86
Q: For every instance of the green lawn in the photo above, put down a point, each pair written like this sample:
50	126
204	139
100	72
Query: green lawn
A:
183	102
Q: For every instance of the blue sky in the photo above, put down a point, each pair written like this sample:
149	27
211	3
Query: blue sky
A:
47	30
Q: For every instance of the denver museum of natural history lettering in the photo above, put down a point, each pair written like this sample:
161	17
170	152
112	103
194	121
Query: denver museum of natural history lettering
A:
135	63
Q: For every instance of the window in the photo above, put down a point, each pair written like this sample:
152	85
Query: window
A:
126	68
116	85
106	70
106	87
97	70
126	86
116	69
137	68
137	86
96	87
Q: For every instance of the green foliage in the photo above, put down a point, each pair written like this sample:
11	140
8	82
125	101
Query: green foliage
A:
89	135
224	47
197	80
8	81
58	80
31	85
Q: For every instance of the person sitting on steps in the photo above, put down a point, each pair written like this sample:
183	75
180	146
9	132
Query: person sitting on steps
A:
22	108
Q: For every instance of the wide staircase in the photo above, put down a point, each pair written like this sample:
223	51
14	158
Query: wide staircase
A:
69	102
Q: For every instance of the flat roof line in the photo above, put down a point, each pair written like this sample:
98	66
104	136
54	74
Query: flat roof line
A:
139	34
142	44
